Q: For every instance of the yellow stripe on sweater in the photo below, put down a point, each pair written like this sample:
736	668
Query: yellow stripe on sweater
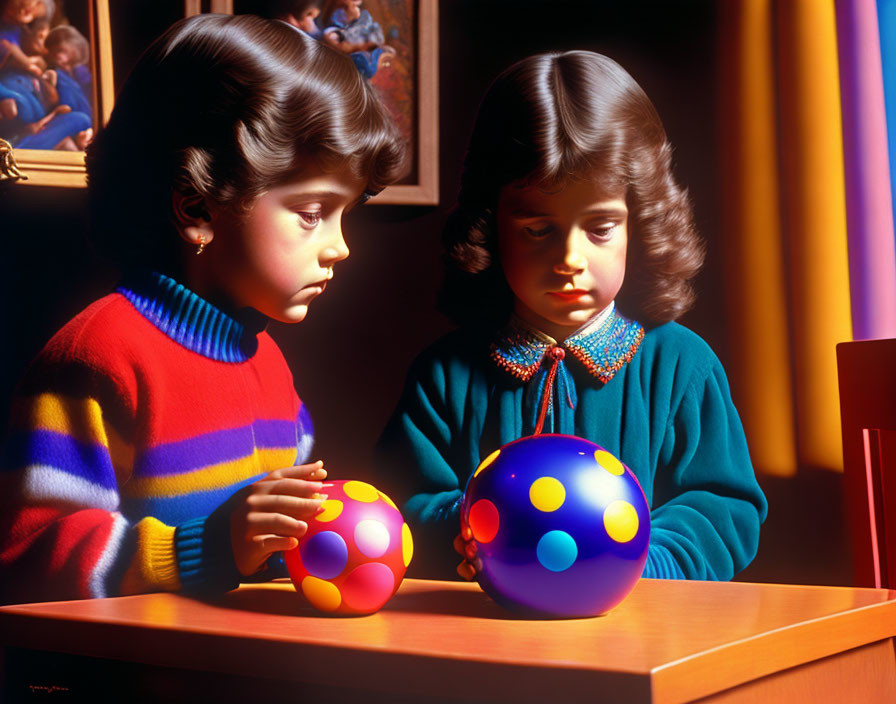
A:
215	476
78	418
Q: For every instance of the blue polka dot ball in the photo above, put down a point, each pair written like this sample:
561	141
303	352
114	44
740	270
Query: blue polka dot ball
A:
560	524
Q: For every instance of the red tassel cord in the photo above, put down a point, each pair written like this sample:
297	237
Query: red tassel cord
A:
556	354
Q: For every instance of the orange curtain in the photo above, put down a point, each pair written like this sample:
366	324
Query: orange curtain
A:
784	214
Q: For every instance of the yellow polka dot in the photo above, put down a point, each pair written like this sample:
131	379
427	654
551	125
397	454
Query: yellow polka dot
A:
547	494
321	594
407	544
331	510
609	463
388	500
361	491
621	521
487	461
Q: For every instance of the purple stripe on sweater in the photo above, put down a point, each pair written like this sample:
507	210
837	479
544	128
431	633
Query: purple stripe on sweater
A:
46	447
215	448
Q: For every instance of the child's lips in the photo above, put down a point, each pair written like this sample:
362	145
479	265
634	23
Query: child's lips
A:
569	295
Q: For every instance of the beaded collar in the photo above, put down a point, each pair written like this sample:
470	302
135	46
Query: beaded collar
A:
603	346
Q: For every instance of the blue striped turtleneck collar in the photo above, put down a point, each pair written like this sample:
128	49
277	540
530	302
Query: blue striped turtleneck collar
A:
190	320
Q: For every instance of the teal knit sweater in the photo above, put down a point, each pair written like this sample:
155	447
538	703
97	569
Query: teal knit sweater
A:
660	403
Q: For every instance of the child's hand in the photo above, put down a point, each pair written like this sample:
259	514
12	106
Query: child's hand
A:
471	565
270	515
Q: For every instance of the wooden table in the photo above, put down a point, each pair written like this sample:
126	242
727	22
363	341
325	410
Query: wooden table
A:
445	641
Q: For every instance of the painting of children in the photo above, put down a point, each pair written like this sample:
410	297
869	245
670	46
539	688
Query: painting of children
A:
46	86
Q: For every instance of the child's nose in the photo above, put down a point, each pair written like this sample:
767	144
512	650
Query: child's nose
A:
336	249
572	260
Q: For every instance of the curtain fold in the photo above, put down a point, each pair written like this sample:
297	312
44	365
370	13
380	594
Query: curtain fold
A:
784	218
886	17
814	220
755	273
872	254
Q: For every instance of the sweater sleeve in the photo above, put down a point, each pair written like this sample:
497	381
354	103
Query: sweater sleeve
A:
62	533
707	503
414	460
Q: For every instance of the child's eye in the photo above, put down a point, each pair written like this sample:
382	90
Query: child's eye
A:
309	217
538	233
602	232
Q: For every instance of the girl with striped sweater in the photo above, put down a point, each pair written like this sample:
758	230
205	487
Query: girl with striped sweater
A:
157	442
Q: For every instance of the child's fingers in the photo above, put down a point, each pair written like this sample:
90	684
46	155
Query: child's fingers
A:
275	543
460	544
314	470
258	523
318	474
467	571
290	487
293	506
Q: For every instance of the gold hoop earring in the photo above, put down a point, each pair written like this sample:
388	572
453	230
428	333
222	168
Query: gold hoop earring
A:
201	245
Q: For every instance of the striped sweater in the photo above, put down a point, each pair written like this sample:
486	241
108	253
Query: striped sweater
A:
138	419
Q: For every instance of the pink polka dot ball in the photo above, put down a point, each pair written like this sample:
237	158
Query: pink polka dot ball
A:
355	553
560	525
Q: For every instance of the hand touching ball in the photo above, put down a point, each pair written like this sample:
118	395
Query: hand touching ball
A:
355	553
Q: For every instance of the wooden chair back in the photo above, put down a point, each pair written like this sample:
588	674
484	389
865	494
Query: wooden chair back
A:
867	378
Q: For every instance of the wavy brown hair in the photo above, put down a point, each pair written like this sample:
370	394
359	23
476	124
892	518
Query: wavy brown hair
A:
560	116
227	107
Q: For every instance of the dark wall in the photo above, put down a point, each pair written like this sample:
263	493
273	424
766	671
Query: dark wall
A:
350	355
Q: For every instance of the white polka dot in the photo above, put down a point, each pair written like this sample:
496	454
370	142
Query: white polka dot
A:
372	538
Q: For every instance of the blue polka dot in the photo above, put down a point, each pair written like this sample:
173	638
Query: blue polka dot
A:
324	555
556	550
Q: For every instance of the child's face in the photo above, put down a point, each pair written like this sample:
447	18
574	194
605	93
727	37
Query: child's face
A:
62	54
279	257
352	9
563	252
24	11
305	19
33	42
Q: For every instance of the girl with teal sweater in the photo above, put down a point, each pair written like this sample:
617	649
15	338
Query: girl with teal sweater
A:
568	258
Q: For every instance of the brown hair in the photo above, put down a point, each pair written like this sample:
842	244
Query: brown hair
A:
66	34
227	107
560	116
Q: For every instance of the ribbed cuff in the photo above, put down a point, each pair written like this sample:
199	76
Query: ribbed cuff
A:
163	564
661	564
204	558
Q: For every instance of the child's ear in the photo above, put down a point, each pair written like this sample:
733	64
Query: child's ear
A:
192	217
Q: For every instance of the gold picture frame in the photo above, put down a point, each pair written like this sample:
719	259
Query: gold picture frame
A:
43	167
419	101
424	189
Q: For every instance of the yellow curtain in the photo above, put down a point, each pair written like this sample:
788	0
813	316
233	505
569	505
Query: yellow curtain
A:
784	216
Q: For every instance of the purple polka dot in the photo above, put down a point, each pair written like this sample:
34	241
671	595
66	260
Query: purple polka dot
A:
325	554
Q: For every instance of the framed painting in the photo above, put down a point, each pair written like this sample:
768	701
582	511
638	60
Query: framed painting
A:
395	45
56	88
407	82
